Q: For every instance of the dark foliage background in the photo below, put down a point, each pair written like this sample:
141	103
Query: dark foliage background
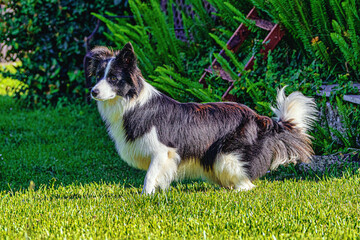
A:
48	37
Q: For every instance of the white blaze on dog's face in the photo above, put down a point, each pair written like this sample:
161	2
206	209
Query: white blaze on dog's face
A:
103	91
115	73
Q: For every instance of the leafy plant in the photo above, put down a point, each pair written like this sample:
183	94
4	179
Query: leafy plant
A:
179	87
167	62
9	86
48	38
348	38
309	23
330	138
153	35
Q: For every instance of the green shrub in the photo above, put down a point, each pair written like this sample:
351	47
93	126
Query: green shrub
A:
47	36
172	65
283	67
324	29
329	139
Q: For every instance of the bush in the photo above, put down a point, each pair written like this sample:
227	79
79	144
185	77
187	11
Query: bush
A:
172	65
165	61
324	29
47	36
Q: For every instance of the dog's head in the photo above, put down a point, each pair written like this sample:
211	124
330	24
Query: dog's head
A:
116	73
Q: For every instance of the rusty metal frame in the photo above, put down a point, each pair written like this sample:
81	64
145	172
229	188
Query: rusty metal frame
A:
234	43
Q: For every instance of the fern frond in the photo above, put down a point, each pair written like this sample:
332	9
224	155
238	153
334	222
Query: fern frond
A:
241	17
203	95
346	51
339	13
321	51
226	66
321	20
224	12
136	12
230	54
353	36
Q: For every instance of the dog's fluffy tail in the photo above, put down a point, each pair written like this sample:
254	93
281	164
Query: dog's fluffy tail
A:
297	109
297	114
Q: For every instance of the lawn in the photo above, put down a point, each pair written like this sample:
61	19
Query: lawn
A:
60	177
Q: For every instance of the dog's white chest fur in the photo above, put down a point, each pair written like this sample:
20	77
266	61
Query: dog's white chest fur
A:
136	153
139	152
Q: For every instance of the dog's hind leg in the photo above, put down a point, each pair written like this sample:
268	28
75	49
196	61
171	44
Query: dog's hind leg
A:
230	172
161	172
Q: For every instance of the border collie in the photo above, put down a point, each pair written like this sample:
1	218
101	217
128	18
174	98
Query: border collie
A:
226	143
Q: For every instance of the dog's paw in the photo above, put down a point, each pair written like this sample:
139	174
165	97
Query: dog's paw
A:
244	186
147	191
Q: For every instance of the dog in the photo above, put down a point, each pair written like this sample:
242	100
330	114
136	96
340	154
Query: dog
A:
226	143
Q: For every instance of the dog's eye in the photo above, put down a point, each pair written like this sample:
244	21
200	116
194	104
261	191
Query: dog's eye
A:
113	79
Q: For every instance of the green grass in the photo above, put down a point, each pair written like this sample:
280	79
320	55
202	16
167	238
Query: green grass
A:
60	177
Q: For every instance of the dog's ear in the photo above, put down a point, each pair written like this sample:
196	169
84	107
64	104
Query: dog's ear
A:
96	55
127	57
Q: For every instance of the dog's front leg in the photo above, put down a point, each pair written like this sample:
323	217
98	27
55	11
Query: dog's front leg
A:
156	166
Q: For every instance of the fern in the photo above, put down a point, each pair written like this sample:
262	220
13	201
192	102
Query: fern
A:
308	21
239	16
320	51
350	129
339	13
198	8
136	12
344	47
336	27
325	142
204	95
229	53
226	66
321	20
178	86
224	12
161	47
348	41
349	7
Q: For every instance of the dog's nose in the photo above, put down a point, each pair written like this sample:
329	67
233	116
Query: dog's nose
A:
94	92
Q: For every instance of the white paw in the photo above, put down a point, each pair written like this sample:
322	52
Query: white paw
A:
244	186
147	191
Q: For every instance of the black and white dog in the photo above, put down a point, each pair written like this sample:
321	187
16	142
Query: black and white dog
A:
226	143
